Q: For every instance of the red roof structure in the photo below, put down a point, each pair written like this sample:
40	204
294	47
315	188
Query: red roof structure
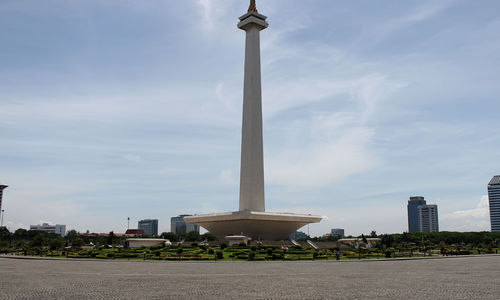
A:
134	231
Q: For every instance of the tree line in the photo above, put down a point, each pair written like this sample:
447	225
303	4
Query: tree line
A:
23	238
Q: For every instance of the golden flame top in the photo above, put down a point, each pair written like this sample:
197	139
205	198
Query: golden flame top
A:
252	8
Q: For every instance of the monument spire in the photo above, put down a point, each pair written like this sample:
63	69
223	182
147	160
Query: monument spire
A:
252	156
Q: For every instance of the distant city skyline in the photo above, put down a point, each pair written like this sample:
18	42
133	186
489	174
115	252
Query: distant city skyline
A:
123	109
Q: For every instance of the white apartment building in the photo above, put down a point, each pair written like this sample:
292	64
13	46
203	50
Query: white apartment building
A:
428	218
59	229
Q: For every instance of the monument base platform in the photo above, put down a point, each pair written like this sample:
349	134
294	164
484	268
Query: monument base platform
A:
257	225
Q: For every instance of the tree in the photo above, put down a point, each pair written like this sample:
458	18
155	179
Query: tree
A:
5	235
209	237
193	236
111	237
373	234
405	237
170	236
38	240
71	235
78	242
20	234
56	243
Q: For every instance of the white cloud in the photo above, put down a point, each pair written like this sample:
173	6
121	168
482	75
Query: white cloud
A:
13	226
46	222
321	164
212	12
227	177
475	219
228	95
378	32
422	13
334	145
206	7
132	158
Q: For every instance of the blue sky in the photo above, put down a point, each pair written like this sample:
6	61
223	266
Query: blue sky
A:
116	109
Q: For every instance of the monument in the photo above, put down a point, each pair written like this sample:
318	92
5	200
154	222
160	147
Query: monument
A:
252	220
2	187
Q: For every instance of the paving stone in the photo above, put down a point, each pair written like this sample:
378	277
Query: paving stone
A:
449	278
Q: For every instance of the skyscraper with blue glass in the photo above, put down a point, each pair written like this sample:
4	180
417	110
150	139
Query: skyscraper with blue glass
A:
494	196
150	226
413	216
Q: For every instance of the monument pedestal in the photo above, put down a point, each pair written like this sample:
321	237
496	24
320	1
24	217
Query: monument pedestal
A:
257	225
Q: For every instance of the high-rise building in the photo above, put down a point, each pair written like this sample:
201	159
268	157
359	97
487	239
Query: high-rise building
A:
179	226
413	219
422	217
338	232
428	218
59	229
494	196
150	226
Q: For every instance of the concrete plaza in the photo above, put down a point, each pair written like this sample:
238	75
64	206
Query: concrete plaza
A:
447	278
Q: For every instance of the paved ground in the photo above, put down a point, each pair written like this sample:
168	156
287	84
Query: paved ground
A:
449	278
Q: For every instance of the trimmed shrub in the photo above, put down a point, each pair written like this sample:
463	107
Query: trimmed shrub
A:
277	256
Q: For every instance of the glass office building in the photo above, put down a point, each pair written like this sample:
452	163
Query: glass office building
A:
494	196
149	226
413	217
179	226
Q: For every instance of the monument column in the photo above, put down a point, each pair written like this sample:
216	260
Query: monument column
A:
252	156
251	219
2	187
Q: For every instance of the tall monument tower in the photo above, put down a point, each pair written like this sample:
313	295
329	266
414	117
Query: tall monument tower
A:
2	187
252	153
252	219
